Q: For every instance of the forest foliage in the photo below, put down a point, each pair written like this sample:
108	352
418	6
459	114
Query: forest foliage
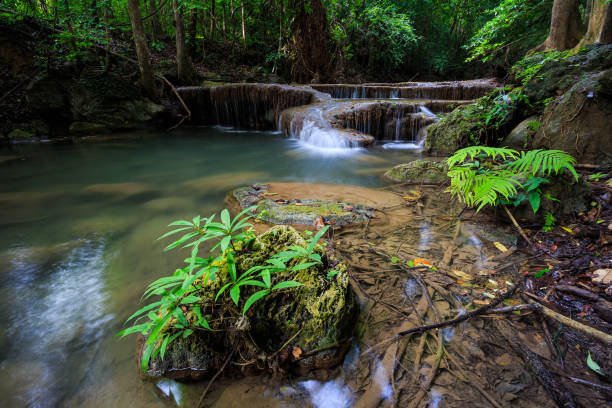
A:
383	39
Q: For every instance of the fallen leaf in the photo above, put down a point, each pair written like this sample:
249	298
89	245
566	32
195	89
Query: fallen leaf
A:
421	261
410	197
593	365
481	302
568	230
319	223
461	275
603	276
296	352
500	246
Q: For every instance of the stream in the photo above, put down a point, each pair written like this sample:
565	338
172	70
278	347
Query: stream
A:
79	224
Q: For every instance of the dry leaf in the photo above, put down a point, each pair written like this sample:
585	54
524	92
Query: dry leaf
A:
421	261
461	274
602	276
319	223
500	246
296	352
568	230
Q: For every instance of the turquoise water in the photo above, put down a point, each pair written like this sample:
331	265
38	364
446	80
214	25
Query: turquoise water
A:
77	244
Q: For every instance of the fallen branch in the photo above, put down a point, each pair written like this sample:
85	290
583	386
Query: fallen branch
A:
163	78
463	318
518	227
603	337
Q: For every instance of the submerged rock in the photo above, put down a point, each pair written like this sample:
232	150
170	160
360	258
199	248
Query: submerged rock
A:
300	329
300	211
419	171
121	191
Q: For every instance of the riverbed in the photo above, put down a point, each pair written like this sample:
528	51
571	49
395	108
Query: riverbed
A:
79	223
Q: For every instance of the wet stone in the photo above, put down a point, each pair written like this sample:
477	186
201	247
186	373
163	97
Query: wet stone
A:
300	211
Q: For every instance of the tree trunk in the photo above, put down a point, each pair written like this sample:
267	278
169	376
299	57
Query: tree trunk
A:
182	59
192	32
156	31
565	27
310	54
224	27
140	41
243	23
212	18
605	34
600	25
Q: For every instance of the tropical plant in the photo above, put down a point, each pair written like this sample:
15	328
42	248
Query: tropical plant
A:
188	296
490	176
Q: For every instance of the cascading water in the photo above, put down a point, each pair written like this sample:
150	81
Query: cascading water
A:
310	115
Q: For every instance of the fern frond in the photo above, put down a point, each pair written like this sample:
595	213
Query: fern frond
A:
489	191
494	152
545	162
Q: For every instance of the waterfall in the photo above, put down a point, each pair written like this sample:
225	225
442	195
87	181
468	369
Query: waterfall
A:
428	113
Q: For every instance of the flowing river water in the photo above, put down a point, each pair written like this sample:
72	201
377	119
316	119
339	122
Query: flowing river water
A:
78	229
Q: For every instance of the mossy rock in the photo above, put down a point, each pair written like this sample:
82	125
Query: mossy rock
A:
300	212
419	171
86	128
292	330
20	134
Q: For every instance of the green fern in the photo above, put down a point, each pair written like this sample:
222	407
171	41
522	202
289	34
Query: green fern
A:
482	175
492	152
544	162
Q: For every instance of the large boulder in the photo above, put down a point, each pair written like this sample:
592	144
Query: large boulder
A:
579	120
90	104
295	330
521	136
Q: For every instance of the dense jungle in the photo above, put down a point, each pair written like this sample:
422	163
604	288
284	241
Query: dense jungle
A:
306	203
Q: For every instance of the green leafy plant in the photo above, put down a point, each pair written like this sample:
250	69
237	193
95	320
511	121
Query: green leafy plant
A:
489	176
549	222
187	298
597	176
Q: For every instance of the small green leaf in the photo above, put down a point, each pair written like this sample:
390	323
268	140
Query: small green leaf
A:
541	273
254	298
187	333
286	285
395	259
235	294
331	274
593	365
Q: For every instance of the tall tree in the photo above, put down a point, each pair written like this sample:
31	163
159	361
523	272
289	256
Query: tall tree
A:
147	79
243	23
565	27
156	27
310	37
182	57
600	24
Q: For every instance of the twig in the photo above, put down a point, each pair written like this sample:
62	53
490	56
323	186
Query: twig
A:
163	78
590	384
518	227
212	380
472	381
467	316
603	337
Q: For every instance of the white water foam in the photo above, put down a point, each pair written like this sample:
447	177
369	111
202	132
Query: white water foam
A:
403	146
331	394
